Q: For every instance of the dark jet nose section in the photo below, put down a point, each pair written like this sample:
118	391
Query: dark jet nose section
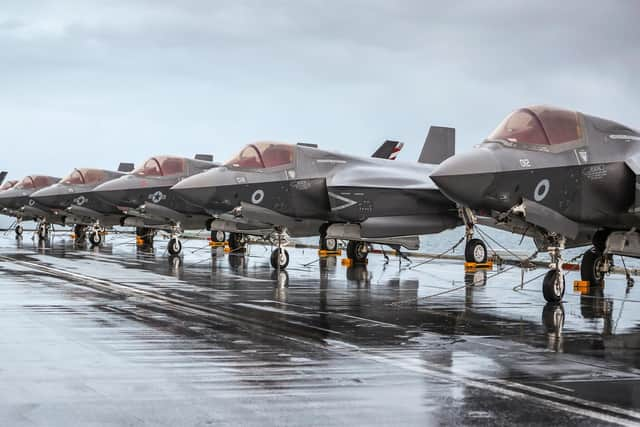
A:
467	177
52	196
116	192
197	189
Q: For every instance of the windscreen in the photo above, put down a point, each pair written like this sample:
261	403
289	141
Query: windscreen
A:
539	126
93	176
73	178
7	185
263	155
149	168
26	183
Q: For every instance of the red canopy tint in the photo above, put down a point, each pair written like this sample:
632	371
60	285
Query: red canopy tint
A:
539	125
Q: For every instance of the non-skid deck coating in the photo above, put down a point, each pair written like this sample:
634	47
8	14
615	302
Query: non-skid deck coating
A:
115	336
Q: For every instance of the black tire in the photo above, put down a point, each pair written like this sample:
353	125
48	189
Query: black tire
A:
95	238
174	246
475	251
553	286
218	236
80	232
146	234
327	244
357	251
43	232
19	230
600	240
590	267
279	259
237	241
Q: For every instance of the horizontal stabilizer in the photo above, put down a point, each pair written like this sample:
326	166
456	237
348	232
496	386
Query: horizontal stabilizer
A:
205	157
3	175
439	145
388	150
125	167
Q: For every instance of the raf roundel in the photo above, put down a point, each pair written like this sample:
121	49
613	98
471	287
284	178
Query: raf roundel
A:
541	191
257	197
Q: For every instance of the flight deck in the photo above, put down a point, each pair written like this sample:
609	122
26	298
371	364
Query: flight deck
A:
117	335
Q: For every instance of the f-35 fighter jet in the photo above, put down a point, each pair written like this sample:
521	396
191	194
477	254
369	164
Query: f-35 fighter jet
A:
15	201
145	202
279	190
70	202
561	176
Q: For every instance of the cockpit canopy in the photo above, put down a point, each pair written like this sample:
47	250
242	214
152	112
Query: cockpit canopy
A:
263	155
85	176
35	181
539	125
7	185
162	166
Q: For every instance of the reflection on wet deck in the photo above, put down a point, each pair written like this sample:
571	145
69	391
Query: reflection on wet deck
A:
116	334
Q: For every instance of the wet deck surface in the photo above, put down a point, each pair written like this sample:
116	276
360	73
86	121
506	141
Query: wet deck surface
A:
116	336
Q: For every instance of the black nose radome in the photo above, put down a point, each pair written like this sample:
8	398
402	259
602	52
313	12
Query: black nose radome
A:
465	178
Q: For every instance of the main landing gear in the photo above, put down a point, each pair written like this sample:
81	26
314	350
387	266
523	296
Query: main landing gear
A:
42	230
19	230
595	263
237	242
79	234
357	251
475	250
218	236
326	243
144	236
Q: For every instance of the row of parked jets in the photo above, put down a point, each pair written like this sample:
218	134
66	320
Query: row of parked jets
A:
565	178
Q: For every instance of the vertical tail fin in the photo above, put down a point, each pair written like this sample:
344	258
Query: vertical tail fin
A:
3	175
205	157
125	167
439	145
388	150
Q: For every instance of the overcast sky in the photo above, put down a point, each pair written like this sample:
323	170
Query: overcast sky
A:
95	83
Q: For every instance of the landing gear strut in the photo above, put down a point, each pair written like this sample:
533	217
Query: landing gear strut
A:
475	250
595	263
95	234
19	230
553	283
279	256
43	230
357	251
175	245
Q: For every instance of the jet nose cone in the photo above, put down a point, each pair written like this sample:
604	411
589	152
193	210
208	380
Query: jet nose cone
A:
196	189
110	192
466	178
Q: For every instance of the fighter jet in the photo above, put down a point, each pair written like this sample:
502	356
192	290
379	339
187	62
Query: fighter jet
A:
564	177
145	202
282	190
15	201
70	202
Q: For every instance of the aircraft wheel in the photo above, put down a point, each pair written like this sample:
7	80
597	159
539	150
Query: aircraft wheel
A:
328	244
19	230
175	246
553	286
217	236
95	238
279	258
357	251
43	232
475	251
237	241
591	267
80	232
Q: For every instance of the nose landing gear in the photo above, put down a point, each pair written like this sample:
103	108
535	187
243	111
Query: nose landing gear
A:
475	250
95	234
553	284
175	245
279	256
42	230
